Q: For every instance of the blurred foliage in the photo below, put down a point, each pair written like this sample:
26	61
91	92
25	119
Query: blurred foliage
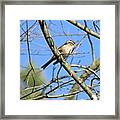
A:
32	78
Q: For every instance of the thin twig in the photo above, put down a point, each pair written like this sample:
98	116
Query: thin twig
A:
25	32
91	44
84	29
46	94
64	95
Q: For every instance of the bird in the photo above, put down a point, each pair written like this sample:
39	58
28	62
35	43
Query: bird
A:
65	50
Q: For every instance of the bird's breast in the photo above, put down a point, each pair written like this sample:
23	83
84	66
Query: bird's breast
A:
66	49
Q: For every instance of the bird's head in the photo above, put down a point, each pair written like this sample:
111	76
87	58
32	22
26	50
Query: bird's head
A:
71	42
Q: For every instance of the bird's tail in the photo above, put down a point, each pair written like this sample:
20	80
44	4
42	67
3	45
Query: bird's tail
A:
47	63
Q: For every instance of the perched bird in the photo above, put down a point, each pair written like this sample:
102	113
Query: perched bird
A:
66	49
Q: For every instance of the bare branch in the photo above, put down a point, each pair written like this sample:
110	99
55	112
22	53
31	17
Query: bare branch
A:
59	57
84	28
95	66
23	35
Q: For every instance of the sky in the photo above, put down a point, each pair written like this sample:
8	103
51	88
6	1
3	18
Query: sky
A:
61	31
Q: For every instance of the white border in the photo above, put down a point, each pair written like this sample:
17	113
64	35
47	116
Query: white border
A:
14	106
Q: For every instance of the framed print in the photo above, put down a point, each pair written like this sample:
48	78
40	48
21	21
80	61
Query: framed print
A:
60	59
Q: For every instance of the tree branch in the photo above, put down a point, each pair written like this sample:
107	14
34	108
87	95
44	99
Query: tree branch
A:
94	66
65	65
84	28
